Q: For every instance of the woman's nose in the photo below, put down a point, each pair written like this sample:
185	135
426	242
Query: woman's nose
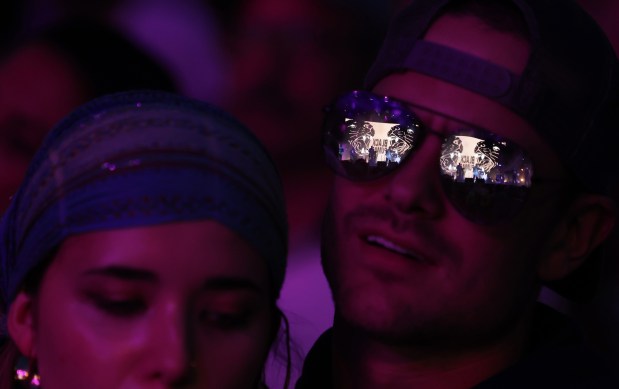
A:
170	349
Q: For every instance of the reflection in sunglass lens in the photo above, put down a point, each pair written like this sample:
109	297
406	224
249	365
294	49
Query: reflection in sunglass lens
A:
487	180
366	137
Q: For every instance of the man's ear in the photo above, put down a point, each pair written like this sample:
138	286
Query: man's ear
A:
20	323
587	223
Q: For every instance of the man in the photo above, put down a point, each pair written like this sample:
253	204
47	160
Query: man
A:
435	279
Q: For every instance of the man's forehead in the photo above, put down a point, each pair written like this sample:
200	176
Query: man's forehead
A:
472	35
447	107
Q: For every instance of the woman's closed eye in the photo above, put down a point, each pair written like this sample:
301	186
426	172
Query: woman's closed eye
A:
123	307
227	310
225	320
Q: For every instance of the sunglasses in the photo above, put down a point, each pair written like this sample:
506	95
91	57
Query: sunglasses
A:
486	178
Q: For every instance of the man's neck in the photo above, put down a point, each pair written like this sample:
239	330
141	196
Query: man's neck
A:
362	362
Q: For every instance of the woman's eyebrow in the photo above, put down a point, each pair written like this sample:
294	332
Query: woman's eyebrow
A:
218	283
231	283
123	273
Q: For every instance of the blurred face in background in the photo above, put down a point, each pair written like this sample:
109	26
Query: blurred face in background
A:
39	87
182	305
290	58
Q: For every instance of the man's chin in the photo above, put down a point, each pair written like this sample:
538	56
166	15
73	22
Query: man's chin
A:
387	327
374	310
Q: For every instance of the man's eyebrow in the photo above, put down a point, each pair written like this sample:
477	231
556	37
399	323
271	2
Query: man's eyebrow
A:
417	107
123	273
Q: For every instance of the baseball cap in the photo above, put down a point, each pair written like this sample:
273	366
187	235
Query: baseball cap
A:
568	91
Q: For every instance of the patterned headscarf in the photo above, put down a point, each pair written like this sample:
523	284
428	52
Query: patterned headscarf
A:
137	159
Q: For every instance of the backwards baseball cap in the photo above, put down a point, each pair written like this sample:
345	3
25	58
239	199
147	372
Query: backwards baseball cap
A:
568	91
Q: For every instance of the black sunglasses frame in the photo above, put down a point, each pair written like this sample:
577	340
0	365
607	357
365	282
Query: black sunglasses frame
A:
482	199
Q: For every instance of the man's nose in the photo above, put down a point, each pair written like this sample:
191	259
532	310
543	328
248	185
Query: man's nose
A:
415	186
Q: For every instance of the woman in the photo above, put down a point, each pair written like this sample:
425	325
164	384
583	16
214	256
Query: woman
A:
146	247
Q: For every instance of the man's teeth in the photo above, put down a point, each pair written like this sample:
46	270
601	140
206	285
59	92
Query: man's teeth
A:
380	241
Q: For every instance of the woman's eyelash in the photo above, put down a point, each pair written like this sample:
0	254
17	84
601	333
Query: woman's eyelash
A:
224	321
119	307
134	306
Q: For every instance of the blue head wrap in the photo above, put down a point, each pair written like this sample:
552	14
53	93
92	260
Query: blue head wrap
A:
137	159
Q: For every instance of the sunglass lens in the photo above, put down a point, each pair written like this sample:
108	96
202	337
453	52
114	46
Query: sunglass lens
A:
487	180
366	136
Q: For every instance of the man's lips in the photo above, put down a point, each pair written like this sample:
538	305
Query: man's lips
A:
411	237
383	242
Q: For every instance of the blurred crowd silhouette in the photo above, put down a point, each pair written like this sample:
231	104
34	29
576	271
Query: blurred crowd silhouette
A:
274	64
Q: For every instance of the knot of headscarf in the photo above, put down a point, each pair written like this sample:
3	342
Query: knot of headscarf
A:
136	159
